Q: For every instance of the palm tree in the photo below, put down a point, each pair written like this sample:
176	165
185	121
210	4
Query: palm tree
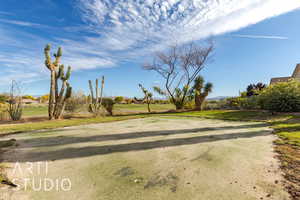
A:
201	91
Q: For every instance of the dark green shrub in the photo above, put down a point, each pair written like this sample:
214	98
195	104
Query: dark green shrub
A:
281	97
108	104
119	99
76	103
215	105
249	103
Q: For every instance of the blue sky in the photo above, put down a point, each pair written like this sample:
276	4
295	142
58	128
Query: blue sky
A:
255	40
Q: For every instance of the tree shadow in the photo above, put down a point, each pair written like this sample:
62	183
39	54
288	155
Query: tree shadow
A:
80	152
65	140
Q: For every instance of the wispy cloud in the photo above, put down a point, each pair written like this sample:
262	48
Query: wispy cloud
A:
139	27
261	37
20	23
129	29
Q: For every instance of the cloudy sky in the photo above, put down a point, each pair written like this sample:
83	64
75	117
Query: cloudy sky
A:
255	40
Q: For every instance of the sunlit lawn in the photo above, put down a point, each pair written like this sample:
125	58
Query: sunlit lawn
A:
41	110
35	110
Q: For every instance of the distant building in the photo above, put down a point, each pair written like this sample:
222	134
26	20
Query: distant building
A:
295	76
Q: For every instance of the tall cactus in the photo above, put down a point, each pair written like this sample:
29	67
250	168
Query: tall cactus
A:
57	98
95	103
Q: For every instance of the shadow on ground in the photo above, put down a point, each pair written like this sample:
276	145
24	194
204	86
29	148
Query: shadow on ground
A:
79	152
65	140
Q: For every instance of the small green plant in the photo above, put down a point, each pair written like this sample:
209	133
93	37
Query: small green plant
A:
147	96
179	97
108	104
118	99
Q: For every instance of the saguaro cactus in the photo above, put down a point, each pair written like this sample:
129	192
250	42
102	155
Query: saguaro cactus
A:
57	98
95	103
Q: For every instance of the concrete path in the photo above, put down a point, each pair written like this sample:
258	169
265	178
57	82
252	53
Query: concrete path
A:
147	159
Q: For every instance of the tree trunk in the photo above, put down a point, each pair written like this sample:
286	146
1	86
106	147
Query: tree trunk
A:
178	106
52	96
201	99
197	102
59	106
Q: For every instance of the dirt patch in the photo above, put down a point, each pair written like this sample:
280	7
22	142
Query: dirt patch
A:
125	171
289	157
170	180
204	156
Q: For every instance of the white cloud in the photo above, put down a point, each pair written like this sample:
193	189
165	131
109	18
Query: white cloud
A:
129	29
141	26
20	23
261	37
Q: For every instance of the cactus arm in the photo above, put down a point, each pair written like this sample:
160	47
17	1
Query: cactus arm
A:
57	57
97	91
91	90
47	56
68	74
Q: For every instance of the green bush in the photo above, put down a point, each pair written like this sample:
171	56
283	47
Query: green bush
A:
119	99
3	98
234	103
249	103
281	97
76	103
214	105
189	105
3	111
108	104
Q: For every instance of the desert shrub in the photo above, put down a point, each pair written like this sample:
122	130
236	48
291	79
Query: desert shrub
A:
4	98
128	101
249	103
76	103
215	105
233	102
239	103
3	111
281	97
108	104
189	105
119	99
15	108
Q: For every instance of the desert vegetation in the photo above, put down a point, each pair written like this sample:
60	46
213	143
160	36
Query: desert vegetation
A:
57	98
185	95
147	96
179	66
95	98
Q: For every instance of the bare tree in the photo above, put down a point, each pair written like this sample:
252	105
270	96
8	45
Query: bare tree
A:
179	66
